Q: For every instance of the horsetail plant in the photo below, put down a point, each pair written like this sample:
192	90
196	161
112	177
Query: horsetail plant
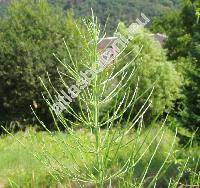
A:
109	86
101	107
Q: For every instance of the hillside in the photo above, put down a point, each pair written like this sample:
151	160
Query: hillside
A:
113	10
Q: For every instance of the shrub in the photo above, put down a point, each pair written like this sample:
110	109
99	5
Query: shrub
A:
153	71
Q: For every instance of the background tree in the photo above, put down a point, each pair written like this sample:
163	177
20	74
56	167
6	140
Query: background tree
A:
30	33
183	47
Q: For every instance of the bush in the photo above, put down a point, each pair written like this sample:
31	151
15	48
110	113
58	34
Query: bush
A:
153	70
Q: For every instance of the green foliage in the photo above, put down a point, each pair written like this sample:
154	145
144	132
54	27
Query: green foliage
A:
30	34
104	155
183	47
153	71
188	106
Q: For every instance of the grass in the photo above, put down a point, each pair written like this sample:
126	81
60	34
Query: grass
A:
38	162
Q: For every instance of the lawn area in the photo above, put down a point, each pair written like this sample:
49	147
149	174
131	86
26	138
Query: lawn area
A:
41	159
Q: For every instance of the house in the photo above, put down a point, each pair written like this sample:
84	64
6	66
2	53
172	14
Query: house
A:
161	38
